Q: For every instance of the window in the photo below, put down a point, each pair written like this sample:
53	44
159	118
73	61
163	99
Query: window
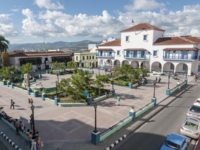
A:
155	53
76	57
127	38
118	52
144	37
171	66
184	67
83	57
87	57
92	57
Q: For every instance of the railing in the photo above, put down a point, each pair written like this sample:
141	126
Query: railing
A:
104	55
180	57
135	57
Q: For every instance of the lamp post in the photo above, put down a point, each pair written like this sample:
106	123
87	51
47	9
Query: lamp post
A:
39	68
57	77
56	89
95	117
154	84
169	80
33	120
186	75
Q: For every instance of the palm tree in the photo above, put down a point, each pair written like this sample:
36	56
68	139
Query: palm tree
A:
3	44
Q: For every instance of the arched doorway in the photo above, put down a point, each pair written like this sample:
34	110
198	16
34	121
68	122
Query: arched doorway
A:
182	68
135	64
125	62
109	62
145	64
156	66
116	63
168	67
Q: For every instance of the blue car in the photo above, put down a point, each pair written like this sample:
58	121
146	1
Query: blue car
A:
175	141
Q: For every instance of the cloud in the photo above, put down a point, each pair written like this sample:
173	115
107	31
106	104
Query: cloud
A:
48	4
7	27
55	23
144	5
15	10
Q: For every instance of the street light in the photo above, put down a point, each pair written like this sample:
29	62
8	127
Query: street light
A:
154	84
33	120
57	77
169	75
186	75
56	89
112	81
95	123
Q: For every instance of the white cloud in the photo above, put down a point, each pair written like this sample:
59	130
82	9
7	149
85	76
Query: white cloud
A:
14	10
144	5
56	23
48	4
6	26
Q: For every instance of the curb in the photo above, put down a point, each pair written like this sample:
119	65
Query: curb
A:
116	142
138	126
10	141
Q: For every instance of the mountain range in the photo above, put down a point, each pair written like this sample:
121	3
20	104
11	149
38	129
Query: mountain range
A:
55	45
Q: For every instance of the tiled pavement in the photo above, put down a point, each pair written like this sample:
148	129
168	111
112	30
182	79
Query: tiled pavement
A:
72	126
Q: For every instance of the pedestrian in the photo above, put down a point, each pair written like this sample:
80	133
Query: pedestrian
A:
38	144
29	102
12	104
17	127
30	136
118	100
33	144
159	79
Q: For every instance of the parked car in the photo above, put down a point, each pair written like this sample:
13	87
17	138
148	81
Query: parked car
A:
190	127
175	141
110	70
194	111
158	73
197	102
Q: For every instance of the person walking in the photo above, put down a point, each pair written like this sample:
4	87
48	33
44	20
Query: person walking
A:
29	102
159	79
118	100
12	104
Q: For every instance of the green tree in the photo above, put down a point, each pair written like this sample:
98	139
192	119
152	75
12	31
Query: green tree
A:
26	68
58	65
8	72
100	80
3	44
72	65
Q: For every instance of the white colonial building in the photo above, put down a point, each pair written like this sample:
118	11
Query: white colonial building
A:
145	44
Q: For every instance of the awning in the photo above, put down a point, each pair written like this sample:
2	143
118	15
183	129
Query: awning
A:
135	49
180	49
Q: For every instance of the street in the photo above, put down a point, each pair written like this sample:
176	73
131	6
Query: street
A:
2	146
152	134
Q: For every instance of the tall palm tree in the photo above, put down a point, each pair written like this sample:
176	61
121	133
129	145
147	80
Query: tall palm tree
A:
3	44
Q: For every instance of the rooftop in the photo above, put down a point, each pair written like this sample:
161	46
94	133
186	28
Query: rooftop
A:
142	26
112	43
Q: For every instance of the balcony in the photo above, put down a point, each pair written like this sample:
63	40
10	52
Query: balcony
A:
135	57
105	55
181	57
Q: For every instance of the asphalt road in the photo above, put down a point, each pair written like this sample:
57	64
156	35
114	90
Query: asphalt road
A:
152	134
2	146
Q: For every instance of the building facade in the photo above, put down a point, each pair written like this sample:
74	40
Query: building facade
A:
38	59
86	58
145	45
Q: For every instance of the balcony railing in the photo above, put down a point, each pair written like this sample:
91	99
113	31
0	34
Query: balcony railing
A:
180	57
135	57
105	55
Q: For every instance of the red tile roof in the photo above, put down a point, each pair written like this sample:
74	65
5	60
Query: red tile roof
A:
112	43
132	49
29	54
142	26
183	49
103	49
173	41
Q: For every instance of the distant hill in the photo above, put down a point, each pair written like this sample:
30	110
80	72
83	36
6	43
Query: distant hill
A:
56	45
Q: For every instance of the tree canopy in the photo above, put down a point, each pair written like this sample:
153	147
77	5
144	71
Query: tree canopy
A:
26	68
3	44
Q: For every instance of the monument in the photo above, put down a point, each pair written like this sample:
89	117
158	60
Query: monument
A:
26	81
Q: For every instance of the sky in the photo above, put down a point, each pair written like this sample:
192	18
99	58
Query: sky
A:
31	21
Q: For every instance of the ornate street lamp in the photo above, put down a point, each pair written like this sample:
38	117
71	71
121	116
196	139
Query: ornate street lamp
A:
56	89
169	75
154	84
186	75
95	123
33	120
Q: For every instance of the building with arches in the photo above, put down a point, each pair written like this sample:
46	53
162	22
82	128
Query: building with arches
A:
145	45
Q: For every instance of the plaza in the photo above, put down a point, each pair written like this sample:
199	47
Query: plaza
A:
70	125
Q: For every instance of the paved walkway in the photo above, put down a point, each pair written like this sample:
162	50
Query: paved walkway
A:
72	126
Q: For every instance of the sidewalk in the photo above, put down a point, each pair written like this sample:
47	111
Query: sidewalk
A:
71	127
